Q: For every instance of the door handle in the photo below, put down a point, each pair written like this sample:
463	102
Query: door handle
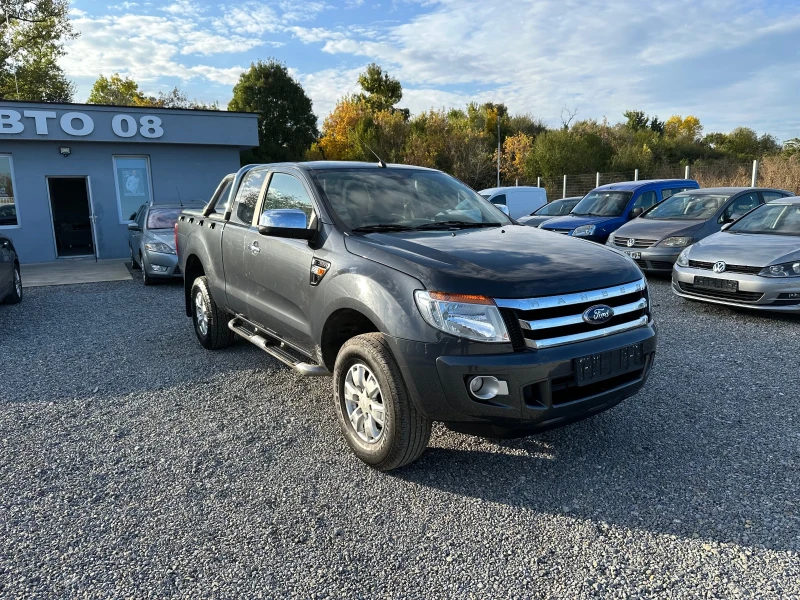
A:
254	248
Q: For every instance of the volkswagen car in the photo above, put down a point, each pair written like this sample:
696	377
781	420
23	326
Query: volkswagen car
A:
655	239
752	263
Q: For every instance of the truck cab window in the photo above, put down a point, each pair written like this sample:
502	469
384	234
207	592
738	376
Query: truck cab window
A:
499	199
287	192
247	197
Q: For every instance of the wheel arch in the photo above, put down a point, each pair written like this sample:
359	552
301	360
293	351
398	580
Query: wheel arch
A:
194	269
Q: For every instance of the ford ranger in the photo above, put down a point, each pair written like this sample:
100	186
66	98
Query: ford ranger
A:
424	302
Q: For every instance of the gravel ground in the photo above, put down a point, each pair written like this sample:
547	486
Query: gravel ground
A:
136	464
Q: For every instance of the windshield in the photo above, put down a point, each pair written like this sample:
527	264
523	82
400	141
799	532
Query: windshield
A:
162	218
773	219
556	208
404	199
686	205
603	204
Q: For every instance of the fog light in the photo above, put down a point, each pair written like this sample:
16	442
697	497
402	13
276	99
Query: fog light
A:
159	268
486	387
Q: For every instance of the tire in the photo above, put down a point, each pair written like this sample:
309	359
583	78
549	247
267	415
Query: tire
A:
15	296
404	433
146	279
134	265
216	334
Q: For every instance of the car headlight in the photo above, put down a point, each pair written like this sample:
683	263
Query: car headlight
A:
159	247
583	230
676	242
472	317
790	269
683	258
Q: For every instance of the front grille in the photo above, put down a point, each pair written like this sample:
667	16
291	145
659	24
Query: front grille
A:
661	265
709	266
637	242
720	294
556	320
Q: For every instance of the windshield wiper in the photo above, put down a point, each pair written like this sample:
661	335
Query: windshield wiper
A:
455	225
383	227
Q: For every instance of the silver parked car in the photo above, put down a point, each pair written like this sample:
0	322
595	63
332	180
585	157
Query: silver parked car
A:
151	239
551	210
752	263
655	239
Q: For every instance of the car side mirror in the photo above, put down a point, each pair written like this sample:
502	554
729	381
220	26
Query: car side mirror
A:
285	223
636	212
134	227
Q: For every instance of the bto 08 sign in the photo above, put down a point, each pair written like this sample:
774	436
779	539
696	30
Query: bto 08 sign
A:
79	124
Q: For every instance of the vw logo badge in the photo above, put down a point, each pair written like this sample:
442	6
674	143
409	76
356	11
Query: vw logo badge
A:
630	243
598	314
719	267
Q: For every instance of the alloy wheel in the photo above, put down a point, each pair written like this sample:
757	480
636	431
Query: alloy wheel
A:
201	313
363	402
17	283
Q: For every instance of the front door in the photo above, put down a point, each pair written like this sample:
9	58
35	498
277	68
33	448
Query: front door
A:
280	268
72	216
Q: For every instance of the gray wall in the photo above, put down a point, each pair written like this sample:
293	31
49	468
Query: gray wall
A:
195	170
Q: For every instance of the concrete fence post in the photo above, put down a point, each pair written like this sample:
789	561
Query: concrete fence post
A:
597	180
564	190
754	179
687	172
636	174
516	182
538	182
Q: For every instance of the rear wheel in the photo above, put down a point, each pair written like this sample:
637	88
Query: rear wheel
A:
16	289
210	320
377	417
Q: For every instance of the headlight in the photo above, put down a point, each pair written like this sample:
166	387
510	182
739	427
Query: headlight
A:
159	247
683	258
471	317
790	269
583	230
676	242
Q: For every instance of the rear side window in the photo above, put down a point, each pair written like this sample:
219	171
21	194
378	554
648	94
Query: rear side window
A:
222	198
768	196
247	197
669	192
499	199
645	201
741	205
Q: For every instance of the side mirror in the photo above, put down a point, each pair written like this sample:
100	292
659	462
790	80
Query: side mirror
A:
286	223
504	208
132	217
134	227
636	212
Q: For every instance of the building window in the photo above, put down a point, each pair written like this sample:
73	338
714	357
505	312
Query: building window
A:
132	178
8	206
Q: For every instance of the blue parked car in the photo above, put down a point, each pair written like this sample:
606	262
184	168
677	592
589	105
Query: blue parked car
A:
607	208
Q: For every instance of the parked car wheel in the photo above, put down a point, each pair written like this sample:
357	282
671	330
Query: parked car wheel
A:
16	290
134	265
210	321
379	421
146	279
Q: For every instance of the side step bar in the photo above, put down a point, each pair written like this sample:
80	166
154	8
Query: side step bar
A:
276	349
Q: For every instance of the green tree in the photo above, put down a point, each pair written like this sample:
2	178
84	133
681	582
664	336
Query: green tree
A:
636	120
116	90
33	35
287	125
380	90
561	151
742	144
791	147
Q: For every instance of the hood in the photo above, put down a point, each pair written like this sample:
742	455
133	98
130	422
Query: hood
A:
573	221
752	250
657	229
166	236
523	262
535	220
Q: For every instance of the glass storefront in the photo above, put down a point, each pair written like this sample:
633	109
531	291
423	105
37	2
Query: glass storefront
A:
132	175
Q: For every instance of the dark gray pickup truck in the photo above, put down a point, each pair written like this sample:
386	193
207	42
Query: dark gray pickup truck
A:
425	302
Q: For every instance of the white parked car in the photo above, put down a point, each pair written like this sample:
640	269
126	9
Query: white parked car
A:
519	201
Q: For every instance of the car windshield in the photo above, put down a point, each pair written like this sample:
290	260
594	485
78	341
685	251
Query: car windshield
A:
688	205
603	204
400	199
162	218
772	219
557	207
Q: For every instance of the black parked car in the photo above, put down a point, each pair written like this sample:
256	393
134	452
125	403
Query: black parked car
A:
10	280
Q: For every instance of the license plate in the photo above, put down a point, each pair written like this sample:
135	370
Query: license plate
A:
709	283
605	365
634	255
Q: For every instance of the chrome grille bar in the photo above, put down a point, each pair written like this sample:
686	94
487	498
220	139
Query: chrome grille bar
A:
582	337
567	299
577	319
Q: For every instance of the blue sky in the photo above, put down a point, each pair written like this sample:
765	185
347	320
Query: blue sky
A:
727	62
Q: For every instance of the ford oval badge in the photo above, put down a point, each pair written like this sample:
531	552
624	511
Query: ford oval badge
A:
598	314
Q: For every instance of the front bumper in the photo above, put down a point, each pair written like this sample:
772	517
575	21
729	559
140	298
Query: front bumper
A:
161	265
653	259
759	293
542	384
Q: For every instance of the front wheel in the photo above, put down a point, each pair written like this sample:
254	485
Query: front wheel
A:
16	288
378	419
210	320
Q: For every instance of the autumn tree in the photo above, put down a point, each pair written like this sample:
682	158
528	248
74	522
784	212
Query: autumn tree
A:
33	36
116	90
287	125
516	152
688	128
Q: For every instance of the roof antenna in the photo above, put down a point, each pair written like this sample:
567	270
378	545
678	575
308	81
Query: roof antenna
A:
179	196
375	154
